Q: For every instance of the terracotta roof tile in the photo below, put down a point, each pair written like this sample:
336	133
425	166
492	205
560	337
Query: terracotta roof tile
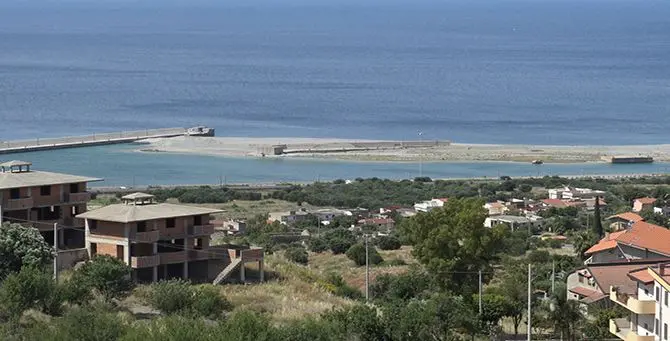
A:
554	202
608	242
617	274
641	275
629	216
586	292
647	236
646	200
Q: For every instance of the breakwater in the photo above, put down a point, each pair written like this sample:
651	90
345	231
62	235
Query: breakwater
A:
39	144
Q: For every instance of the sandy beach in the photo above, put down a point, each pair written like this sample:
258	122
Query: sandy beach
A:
374	150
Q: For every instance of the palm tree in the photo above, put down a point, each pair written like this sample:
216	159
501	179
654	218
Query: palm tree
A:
582	241
565	315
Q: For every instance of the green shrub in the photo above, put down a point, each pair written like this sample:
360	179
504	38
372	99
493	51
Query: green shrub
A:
318	245
388	243
180	297
395	262
297	255
30	288
108	275
357	254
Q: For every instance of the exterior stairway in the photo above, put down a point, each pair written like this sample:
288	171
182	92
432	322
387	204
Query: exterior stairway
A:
227	271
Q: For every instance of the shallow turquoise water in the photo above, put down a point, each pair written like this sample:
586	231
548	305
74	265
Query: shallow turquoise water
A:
121	165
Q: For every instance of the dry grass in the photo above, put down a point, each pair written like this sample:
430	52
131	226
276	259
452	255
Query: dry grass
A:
300	293
353	275
244	209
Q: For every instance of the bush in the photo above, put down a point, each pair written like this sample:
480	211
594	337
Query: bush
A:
318	245
395	262
388	243
30	288
340	288
108	275
22	247
297	255
340	240
357	254
180	297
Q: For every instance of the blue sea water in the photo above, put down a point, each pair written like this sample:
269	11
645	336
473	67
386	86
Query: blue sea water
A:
123	165
504	71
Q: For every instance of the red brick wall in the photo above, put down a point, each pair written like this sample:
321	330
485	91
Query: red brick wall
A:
107	249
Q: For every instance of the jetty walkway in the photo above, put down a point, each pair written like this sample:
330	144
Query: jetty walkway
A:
22	146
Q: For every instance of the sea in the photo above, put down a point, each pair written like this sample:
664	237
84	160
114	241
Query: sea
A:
560	72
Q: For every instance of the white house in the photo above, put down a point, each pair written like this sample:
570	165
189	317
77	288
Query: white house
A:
427	206
496	208
640	241
571	193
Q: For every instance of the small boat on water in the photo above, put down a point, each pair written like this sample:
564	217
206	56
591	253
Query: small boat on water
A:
199	131
537	162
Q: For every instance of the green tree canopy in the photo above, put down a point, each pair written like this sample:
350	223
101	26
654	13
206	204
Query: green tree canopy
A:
22	246
453	243
106	274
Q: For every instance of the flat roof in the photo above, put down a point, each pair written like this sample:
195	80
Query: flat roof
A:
37	178
128	213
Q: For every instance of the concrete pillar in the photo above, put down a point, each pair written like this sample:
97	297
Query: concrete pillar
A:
261	269
165	272
242	274
155	274
185	270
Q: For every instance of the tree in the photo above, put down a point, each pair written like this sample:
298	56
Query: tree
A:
582	241
317	244
297	254
565	314
357	254
106	274
453	243
30	288
596	328
598	223
402	287
654	218
388	243
340	240
180	297
22	246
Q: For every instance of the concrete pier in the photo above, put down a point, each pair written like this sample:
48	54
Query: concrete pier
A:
22	146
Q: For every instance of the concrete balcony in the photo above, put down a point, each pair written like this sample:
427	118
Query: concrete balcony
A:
201	230
81	197
172	257
18	204
144	261
173	233
632	303
145	237
195	255
621	328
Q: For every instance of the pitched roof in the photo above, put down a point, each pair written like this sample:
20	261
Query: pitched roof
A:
629	216
641	275
586	292
616	274
641	235
554	202
646	200
137	195
123	213
36	178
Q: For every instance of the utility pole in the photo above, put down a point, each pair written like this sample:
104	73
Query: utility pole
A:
367	271
56	251
529	307
420	154
480	293
553	276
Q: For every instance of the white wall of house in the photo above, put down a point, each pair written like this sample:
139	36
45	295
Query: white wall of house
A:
645	292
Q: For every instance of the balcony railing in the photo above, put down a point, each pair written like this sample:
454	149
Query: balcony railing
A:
631	303
173	257
173	233
200	230
621	328
144	261
145	237
77	197
19	204
198	255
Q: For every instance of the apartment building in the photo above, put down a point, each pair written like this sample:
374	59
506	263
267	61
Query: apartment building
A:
648	306
43	198
158	241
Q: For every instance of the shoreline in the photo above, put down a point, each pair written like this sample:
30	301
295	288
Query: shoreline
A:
359	150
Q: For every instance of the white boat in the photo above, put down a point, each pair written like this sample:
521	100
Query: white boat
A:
199	131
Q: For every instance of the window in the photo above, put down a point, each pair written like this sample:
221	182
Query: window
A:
94	249
658	294
665	331
15	193
92	225
197	243
170	223
141	226
74	188
45	191
646	291
666	298
197	220
656	327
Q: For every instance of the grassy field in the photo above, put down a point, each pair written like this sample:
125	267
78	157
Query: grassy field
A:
325	263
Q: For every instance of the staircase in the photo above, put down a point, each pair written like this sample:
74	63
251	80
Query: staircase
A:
227	271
